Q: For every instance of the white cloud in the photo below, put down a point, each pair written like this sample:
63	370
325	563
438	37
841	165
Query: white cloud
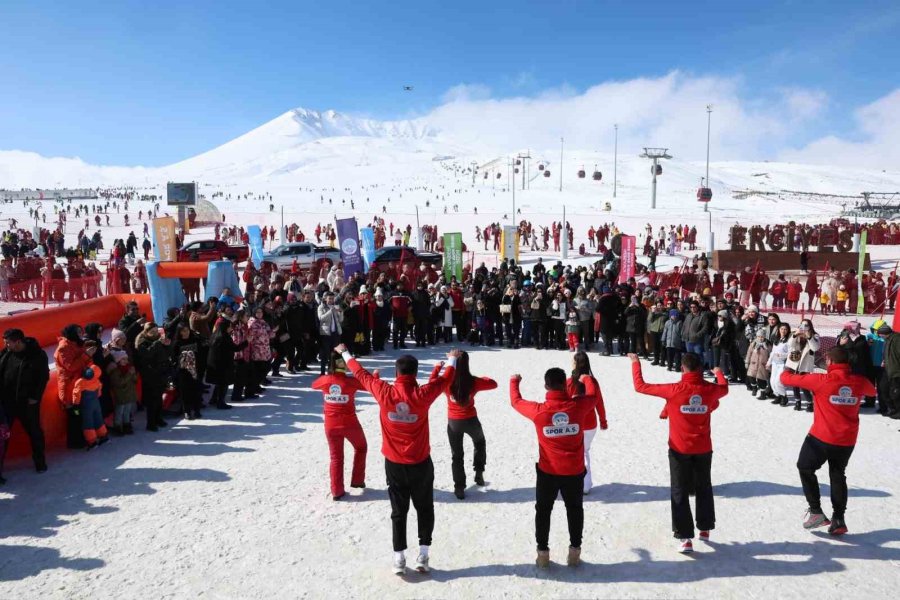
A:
878	125
467	92
664	111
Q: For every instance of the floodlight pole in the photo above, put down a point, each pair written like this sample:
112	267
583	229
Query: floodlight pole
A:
561	143
708	124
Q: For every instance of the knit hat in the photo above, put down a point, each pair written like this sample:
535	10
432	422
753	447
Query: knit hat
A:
884	329
673	313
852	326
723	314
752	308
363	289
88	373
118	334
760	334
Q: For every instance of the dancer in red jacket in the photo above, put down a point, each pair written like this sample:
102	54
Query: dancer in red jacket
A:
689	405
581	365
341	424
559	422
836	399
462	419
405	444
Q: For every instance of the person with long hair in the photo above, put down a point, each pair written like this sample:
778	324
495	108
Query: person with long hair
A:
341	424
462	420
581	365
802	359
220	368
777	359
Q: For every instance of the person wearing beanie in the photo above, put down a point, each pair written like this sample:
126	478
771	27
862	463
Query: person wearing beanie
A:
123	383
153	360
341	423
220	367
86	403
877	337
756	363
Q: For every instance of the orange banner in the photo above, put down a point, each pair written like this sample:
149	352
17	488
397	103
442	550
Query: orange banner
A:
164	239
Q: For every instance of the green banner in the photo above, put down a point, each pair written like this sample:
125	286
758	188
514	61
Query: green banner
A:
860	299
453	256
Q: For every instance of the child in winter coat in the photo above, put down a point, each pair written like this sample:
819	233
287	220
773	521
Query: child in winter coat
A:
824	300
123	381
86	401
481	323
756	361
842	297
671	339
572	330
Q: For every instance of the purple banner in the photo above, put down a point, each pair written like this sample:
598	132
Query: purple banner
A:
348	238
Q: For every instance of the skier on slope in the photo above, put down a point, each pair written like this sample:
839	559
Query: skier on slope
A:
462	419
689	404
342	424
559	423
837	395
405	445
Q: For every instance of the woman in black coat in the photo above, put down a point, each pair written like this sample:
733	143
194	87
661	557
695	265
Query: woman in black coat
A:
220	361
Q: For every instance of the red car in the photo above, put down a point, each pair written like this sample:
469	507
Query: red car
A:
211	250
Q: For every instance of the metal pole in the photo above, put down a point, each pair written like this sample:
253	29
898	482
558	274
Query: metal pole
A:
283	232
615	159
653	200
564	236
708	122
513	186
418	231
561	141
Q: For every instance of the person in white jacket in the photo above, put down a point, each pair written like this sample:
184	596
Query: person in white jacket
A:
444	321
802	358
777	359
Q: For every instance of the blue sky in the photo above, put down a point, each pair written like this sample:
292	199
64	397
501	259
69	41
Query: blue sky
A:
135	82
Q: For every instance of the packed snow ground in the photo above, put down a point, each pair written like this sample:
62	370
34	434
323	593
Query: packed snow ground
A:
237	505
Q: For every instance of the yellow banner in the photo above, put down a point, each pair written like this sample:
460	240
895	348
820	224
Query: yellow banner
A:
164	239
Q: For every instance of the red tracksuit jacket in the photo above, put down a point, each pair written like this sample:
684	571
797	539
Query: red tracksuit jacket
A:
559	422
689	404
836	398
591	419
404	412
340	392
454	409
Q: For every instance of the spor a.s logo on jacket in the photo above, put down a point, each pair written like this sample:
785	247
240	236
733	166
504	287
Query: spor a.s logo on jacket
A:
844	397
695	406
334	395
561	426
401	414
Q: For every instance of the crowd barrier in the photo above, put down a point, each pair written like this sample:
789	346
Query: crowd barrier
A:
45	326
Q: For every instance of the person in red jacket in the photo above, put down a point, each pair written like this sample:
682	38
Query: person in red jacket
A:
462	420
581	365
689	406
836	400
341	424
401	301
406	446
559	422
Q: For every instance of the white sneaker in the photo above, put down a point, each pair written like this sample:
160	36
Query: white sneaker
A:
685	546
399	567
704	536
422	563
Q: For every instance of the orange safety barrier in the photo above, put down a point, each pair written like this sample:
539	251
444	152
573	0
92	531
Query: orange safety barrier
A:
45	326
172	270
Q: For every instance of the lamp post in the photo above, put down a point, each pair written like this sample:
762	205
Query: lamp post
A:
708	123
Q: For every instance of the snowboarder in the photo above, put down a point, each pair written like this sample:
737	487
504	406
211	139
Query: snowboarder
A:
837	395
689	404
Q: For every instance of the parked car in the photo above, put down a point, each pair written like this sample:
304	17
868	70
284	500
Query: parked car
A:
388	255
307	255
210	250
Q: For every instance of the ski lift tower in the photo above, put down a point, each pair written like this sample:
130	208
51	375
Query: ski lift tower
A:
524	156
655	154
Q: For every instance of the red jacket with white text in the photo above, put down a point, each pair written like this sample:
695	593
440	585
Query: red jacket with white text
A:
454	409
339	392
559	422
689	404
836	398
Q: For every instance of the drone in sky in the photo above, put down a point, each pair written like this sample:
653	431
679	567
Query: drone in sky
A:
407	88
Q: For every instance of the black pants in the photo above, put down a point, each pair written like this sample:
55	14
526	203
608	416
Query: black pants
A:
399	331
416	483
461	322
423	324
539	334
189	392
74	432
379	336
558	334
813	454
659	351
686	472
30	417
327	343
456	430
546	489
241	373
219	393
636	343
151	398
673	358
258	371
586	333
608	334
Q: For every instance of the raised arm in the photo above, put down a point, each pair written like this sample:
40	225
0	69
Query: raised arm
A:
434	388
436	371
369	382
642	387
525	408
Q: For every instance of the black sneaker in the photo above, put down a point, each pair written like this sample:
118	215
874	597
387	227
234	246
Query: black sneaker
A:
838	526
41	466
460	493
479	478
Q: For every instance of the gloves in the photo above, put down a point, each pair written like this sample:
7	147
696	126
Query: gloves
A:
604	425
